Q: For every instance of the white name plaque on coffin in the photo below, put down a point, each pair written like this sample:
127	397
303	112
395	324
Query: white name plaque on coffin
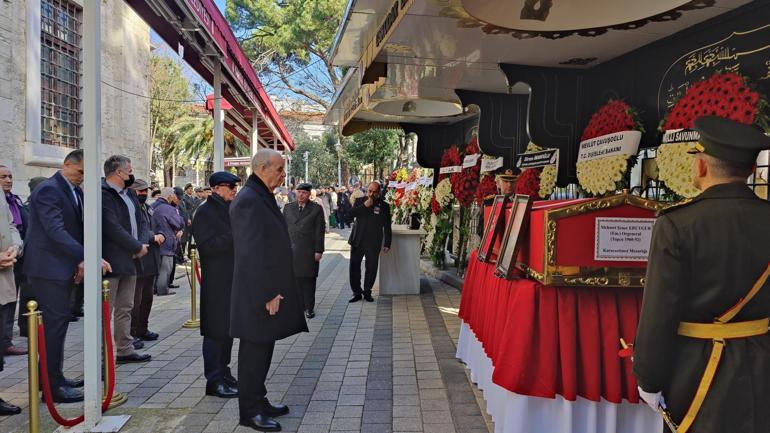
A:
623	239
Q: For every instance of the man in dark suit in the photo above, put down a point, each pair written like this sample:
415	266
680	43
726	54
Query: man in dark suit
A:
371	233
214	240
266	305
702	347
306	230
125	240
147	270
53	250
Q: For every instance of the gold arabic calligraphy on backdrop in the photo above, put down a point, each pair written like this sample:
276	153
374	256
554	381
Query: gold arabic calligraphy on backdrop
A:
745	52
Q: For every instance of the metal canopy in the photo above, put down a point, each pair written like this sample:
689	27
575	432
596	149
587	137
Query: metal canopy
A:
209	46
429	49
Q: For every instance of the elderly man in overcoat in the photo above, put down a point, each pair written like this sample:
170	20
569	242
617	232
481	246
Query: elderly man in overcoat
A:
214	239
306	230
265	305
10	250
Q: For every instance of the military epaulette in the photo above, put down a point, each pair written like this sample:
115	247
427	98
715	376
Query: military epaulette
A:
675	206
489	199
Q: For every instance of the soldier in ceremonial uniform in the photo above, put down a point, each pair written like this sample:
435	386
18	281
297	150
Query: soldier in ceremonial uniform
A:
505	178
702	347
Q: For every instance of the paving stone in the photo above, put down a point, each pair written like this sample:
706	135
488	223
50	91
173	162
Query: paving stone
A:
364	368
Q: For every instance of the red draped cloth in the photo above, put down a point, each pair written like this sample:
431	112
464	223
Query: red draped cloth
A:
546	340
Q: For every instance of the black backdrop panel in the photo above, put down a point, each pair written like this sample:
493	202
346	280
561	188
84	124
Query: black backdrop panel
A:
554	110
502	122
432	140
653	77
649	78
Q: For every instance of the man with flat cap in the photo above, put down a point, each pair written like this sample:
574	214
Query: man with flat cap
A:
214	239
702	347
505	178
306	230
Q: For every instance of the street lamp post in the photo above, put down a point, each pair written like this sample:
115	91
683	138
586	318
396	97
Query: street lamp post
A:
338	147
305	156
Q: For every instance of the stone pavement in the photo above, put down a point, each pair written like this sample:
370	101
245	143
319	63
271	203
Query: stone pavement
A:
379	367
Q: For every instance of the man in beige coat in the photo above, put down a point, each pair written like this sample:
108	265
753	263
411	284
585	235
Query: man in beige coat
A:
10	249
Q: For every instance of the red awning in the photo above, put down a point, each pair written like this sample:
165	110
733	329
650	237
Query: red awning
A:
200	28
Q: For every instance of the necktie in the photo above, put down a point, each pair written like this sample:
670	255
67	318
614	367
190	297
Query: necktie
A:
301	207
79	199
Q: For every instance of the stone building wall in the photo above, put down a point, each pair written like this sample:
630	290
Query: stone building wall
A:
125	116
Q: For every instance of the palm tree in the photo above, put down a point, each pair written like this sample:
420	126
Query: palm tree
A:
194	139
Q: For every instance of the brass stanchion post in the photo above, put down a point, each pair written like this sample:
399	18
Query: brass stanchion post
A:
34	385
118	398
193	322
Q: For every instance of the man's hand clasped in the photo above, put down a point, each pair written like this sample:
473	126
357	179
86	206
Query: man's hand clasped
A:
273	305
8	257
106	267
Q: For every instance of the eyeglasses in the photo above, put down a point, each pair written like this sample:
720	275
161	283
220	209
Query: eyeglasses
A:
229	185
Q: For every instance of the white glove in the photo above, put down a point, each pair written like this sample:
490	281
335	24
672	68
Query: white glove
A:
652	399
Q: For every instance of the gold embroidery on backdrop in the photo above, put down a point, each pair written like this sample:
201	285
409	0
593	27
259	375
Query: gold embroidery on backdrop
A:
454	9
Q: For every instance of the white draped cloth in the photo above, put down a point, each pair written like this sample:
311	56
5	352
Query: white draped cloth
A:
516	413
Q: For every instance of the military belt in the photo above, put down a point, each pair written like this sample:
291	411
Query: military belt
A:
718	332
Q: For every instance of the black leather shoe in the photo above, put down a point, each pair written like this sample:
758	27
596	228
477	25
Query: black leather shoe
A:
138	344
74	318
230	381
355	298
149	336
173	286
134	357
7	409
221	390
261	423
73	383
368	297
275	411
310	314
65	394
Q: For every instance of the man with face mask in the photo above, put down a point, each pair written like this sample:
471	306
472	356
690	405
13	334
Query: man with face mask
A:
371	234
147	270
124	242
702	347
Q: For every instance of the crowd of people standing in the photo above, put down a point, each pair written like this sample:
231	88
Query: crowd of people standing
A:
241	236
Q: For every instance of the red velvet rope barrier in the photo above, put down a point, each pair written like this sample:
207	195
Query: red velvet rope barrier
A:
197	270
47	385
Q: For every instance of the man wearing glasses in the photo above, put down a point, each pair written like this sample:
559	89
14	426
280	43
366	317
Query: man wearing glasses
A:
214	239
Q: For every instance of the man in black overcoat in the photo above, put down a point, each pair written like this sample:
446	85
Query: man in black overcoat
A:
265	305
306	230
214	240
371	233
705	301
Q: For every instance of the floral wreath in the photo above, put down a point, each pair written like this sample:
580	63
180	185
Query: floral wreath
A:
727	95
537	182
464	183
450	158
609	174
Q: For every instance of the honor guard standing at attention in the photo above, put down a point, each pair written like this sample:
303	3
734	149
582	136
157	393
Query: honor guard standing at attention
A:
306	230
505	178
702	347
